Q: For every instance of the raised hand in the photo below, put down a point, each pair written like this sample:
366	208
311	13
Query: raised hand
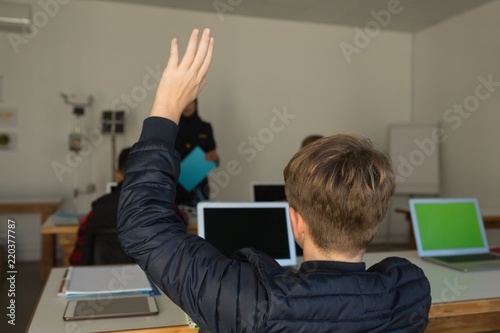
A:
182	82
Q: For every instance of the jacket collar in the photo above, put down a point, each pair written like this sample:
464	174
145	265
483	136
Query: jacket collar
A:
347	267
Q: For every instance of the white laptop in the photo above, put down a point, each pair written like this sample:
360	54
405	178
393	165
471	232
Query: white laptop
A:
450	232
267	191
265	226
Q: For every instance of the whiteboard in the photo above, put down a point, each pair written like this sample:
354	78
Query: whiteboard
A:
415	152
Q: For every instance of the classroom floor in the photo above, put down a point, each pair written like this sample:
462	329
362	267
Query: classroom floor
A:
29	287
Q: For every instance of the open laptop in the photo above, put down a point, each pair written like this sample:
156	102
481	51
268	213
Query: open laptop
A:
265	226
267	191
450	232
271	191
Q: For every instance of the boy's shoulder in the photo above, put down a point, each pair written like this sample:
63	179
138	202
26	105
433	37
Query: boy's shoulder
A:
399	269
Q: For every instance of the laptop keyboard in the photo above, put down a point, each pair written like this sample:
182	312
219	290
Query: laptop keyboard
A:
471	258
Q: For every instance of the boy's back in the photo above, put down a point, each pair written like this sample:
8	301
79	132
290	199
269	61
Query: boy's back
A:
252	292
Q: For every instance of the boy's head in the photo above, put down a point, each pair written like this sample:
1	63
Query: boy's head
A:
341	186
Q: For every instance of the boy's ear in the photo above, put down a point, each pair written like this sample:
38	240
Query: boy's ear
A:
298	226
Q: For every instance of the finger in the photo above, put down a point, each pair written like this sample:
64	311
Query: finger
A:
203	47
207	60
173	60
187	60
203	82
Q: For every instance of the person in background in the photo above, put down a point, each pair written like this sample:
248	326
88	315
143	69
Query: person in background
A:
102	215
310	139
338	188
193	132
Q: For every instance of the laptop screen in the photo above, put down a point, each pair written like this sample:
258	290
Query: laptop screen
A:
268	192
264	226
448	226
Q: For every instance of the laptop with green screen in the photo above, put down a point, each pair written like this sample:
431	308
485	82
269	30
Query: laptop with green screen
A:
450	232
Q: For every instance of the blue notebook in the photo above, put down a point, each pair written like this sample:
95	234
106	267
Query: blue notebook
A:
194	168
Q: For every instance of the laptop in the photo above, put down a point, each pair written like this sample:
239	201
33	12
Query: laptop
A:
265	226
267	191
450	232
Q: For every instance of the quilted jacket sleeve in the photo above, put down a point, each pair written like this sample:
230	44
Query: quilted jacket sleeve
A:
218	293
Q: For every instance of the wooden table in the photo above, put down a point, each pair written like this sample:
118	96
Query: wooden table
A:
491	221
468	316
48	315
461	302
64	235
44	207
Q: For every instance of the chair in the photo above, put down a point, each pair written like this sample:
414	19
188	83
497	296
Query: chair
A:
106	248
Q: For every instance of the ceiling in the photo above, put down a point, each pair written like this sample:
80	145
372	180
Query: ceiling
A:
409	16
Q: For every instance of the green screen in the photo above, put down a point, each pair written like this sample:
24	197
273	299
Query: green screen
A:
448	226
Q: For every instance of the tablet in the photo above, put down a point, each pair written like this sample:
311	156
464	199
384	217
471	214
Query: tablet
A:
110	307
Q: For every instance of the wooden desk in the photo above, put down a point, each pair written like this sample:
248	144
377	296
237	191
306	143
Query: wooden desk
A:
461	302
48	315
65	236
44	207
491	221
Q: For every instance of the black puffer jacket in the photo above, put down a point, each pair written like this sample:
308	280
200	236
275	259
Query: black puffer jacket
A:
253	293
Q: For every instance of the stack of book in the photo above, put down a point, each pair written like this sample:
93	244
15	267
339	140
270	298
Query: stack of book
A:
106	280
61	218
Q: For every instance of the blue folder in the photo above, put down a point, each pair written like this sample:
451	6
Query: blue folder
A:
194	168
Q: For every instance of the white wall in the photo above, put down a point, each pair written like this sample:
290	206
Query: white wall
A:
449	59
260	67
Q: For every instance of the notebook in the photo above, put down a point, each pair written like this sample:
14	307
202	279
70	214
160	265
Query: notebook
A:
61	218
105	280
450	232
265	226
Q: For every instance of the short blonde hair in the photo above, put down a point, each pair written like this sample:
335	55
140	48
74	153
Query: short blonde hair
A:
341	186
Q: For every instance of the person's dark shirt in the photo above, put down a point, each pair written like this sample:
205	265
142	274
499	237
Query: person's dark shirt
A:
104	215
193	132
